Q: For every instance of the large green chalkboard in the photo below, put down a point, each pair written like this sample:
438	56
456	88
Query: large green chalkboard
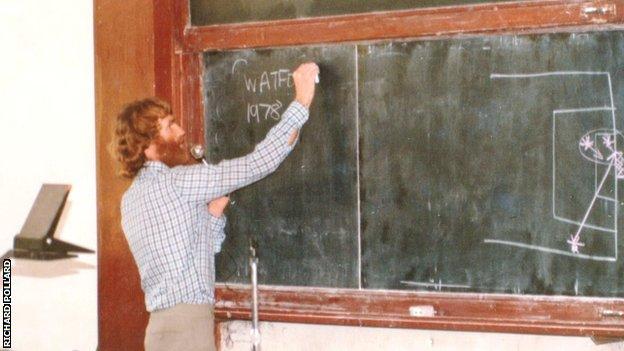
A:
486	164
490	181
208	12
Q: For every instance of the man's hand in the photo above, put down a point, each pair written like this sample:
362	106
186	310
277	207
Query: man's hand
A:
216	206
304	77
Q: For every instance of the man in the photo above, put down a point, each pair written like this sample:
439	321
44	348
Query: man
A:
172	234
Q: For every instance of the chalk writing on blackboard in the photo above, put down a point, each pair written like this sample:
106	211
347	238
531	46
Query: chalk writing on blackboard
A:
598	146
255	112
259	84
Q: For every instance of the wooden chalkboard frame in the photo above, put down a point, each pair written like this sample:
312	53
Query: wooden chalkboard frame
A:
178	67
465	312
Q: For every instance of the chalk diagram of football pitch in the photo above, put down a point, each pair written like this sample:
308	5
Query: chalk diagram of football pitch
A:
597	148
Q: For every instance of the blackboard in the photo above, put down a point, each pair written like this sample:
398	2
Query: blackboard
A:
209	12
490	175
484	164
304	216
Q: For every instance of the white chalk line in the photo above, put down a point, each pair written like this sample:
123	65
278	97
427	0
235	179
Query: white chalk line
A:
546	74
549	250
435	285
606	198
615	185
591	226
585	109
357	163
593	201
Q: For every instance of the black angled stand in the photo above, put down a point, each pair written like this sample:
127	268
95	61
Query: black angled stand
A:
35	240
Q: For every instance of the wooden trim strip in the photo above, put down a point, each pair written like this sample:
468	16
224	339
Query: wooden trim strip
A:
181	22
443	21
191	106
463	312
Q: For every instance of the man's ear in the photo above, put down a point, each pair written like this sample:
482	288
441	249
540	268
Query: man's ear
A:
150	152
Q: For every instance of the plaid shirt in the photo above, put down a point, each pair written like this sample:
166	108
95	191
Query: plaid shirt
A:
171	234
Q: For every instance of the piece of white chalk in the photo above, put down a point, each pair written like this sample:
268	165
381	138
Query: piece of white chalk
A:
317	80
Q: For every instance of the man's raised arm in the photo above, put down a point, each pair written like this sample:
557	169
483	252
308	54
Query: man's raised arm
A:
202	183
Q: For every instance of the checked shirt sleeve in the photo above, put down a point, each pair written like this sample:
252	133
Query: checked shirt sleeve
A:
217	226
203	183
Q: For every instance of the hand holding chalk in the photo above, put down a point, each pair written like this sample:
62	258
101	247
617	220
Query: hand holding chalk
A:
305	77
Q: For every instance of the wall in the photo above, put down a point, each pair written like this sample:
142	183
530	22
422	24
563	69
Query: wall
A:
48	136
235	336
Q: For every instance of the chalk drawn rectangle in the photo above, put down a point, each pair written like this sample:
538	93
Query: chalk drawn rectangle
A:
571	193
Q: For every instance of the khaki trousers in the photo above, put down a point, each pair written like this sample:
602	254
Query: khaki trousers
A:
182	327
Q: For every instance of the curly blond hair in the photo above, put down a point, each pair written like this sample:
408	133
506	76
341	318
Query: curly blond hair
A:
136	126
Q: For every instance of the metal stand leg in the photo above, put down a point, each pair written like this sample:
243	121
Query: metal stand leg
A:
255	331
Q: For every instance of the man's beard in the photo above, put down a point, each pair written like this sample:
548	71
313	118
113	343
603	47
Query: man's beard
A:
173	153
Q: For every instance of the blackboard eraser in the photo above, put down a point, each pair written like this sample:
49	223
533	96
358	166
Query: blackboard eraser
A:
422	311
